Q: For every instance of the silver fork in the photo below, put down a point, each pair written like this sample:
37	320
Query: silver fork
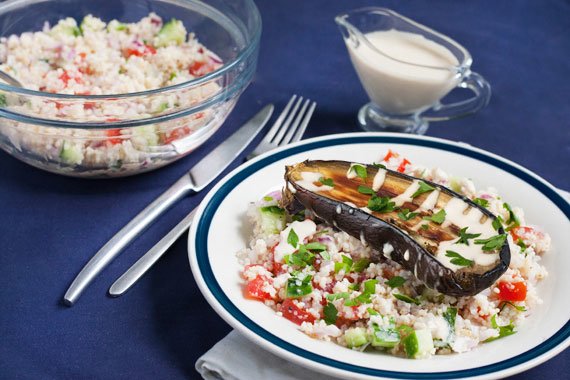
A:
289	127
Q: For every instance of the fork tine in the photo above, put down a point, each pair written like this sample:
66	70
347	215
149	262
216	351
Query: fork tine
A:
305	123
275	127
295	125
277	139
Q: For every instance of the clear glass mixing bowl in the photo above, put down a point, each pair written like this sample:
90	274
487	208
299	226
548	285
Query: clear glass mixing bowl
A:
125	134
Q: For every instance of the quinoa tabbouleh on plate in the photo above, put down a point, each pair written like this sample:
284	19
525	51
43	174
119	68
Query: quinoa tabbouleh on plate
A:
338	288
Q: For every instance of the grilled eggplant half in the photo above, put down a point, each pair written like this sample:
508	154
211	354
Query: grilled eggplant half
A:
447	241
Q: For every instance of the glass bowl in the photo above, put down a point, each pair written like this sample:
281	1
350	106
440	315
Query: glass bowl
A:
125	134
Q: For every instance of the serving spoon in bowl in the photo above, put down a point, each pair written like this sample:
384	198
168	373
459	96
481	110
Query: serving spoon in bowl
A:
10	79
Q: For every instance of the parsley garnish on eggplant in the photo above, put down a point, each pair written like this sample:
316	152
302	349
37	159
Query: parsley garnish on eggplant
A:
347	207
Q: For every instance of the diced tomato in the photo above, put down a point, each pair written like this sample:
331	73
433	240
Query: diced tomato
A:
403	164
520	233
199	68
484	316
112	134
294	313
64	77
140	51
59	105
254	289
86	70
176	134
389	155
512	291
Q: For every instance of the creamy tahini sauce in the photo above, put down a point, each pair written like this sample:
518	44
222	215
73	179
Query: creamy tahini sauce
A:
406	196
303	230
308	182
456	213
350	174
379	179
429	203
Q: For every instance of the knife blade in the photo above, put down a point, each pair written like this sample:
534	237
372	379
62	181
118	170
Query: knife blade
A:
194	180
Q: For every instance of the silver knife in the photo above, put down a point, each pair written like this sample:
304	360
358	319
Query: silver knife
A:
195	180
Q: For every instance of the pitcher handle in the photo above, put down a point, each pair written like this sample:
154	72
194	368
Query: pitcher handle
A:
473	82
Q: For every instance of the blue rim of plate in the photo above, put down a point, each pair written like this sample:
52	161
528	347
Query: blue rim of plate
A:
210	209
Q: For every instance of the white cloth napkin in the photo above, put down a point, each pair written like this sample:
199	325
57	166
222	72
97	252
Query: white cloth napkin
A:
236	358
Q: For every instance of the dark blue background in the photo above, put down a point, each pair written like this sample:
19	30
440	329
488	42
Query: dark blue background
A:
51	225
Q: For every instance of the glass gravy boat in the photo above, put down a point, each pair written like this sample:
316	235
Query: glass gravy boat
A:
406	69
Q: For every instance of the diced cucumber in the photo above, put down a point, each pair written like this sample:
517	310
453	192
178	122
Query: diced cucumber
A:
355	337
71	154
145	135
172	33
116	25
455	184
419	344
385	337
66	27
272	219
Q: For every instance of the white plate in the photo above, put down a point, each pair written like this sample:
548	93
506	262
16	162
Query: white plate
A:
219	231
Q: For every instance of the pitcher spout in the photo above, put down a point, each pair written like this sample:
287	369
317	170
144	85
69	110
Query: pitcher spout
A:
349	32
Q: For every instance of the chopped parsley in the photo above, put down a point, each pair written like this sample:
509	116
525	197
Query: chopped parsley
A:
326	181
172	75
449	315
503	330
396	282
497	223
464	236
492	243
371	311
364	297
345	265
316	246
513	220
267	198
325	255
301	258
381	204
438	217
380	166
3	102
407	299
360	171
292	238
330	312
366	190
424	188
405	214
457	259
481	202
360	265
338	296
355	286
424	226
273	210
522	245
517	307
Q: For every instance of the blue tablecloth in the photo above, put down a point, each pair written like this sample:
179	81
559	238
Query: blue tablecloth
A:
51	225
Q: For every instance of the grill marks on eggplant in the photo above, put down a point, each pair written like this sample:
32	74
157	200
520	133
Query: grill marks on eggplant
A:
345	207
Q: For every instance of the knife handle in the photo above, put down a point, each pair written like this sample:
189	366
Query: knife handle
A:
125	236
138	269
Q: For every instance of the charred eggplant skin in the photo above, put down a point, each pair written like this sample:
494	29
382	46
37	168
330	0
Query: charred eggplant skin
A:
377	232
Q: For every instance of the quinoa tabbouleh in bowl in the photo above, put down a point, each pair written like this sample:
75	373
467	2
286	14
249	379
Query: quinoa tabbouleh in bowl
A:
90	59
339	288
